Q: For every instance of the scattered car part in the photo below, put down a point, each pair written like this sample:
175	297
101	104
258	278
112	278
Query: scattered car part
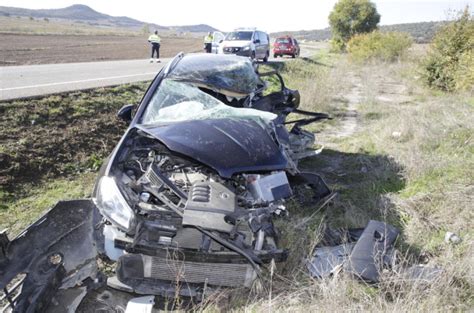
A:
361	252
421	273
59	250
364	253
325	261
140	305
367	256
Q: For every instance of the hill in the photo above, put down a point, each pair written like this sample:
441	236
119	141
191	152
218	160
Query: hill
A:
421	32
200	28
84	14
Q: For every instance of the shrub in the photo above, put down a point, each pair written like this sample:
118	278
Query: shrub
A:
449	65
351	17
464	74
388	46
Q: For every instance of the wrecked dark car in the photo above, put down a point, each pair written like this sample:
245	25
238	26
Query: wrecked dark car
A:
184	204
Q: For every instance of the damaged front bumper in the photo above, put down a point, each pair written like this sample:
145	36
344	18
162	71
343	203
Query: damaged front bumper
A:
55	253
58	263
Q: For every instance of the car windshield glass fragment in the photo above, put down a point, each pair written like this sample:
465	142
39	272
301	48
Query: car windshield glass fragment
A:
239	36
283	40
178	101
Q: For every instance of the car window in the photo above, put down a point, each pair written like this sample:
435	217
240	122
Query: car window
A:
239	35
283	40
255	36
263	37
296	41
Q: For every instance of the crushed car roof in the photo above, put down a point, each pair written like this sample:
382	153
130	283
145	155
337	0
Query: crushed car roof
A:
218	72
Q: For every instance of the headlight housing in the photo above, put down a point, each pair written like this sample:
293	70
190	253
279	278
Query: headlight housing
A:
246	48
112	204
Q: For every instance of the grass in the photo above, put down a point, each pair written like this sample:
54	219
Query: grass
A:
410	162
52	146
22	211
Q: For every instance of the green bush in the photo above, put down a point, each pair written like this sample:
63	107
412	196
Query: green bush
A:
351	17
449	64
388	46
464	74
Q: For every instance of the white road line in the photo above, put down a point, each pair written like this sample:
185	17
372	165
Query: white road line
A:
77	81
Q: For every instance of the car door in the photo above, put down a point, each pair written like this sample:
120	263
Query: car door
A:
218	37
256	44
297	46
264	44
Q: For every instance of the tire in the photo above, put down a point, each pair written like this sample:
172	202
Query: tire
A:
293	55
275	56
265	59
252	56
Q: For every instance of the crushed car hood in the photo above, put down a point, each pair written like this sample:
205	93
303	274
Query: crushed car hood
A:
227	145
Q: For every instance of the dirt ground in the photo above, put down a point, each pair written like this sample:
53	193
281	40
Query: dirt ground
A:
22	49
60	135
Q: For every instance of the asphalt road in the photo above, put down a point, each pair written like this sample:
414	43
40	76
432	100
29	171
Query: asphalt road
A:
36	80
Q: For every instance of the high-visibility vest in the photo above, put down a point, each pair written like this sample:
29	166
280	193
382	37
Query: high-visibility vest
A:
208	39
154	39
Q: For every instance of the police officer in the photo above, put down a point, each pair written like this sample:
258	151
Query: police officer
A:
208	43
155	40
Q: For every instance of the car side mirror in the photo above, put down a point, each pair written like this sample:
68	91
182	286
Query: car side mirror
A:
125	112
256	41
221	41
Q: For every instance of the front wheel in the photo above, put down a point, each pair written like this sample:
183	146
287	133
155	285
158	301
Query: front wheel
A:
293	55
275	56
252	56
265	59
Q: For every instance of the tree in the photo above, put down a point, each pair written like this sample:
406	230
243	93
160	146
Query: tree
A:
351	17
449	64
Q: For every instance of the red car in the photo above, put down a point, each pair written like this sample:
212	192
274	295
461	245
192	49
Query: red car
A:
286	46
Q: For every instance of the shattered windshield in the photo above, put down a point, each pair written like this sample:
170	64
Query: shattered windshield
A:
176	101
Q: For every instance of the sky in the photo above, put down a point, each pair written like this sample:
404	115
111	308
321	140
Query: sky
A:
269	16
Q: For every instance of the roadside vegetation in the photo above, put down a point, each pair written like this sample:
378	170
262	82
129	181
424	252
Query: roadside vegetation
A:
409	161
449	65
349	18
376	45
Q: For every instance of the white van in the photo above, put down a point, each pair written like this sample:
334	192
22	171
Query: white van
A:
248	42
